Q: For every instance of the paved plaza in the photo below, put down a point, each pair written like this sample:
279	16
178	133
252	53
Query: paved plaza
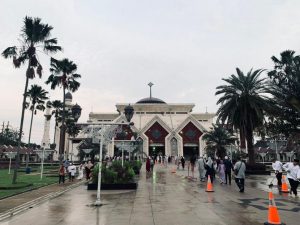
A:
163	198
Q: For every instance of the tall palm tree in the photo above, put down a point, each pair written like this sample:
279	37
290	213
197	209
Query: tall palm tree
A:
35	37
57	106
243	104
37	96
217	139
63	74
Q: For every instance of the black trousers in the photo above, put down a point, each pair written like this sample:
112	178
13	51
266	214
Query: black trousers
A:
228	176
279	178
240	182
61	179
294	185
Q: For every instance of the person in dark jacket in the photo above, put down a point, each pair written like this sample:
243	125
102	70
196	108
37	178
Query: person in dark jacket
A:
228	168
182	162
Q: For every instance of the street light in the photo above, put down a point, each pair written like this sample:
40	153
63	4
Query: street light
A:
107	131
43	154
10	155
76	111
128	111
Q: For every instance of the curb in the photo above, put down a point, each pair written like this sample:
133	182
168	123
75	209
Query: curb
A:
28	205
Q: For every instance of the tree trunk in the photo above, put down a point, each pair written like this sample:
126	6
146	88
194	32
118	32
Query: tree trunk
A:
55	129
17	162
62	129
242	138
29	137
249	136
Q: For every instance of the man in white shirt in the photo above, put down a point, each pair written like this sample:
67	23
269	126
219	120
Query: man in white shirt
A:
239	172
277	166
293	175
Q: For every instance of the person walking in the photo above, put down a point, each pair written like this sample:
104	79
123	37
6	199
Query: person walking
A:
148	165
88	170
209	169
221	172
228	168
193	162
61	174
277	167
239	172
151	164
182	162
293	175
201	168
80	172
72	171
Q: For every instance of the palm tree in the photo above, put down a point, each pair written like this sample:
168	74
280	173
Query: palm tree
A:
57	106
217	139
63	74
243	104
35	37
37	96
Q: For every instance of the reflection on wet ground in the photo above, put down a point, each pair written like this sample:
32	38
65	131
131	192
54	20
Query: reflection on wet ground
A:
163	198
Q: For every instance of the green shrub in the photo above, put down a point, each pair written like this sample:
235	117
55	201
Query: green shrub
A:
114	173
136	166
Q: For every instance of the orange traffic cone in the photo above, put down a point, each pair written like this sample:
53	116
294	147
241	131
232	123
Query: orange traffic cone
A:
209	187
273	215
284	186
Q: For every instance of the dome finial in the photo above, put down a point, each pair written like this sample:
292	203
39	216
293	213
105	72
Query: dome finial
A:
150	85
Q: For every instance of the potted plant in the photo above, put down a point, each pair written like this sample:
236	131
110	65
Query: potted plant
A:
114	177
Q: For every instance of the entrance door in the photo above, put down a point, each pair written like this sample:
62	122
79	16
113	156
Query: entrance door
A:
156	150
189	151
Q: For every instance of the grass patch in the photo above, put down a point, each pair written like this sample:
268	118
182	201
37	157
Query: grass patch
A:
25	182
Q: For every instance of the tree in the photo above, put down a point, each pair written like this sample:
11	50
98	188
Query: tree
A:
285	89
57	108
8	135
63	74
216	140
243	104
37	96
35	37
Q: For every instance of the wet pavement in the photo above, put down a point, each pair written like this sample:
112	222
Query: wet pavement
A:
163	198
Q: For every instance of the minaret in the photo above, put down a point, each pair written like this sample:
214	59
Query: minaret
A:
46	136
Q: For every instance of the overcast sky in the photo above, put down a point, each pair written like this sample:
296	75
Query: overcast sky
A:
184	47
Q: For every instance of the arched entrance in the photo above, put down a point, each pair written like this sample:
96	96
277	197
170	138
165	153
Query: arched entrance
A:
156	135
190	136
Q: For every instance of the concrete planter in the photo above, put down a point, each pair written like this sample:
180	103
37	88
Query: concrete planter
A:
127	186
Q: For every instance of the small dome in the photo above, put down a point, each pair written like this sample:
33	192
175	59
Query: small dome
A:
68	96
151	101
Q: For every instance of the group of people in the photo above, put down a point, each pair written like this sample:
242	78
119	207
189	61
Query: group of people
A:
293	173
222	168
68	168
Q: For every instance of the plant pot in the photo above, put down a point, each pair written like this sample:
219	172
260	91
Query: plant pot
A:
126	186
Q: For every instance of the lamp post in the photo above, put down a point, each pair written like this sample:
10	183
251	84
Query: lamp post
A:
43	154
107	131
10	155
128	147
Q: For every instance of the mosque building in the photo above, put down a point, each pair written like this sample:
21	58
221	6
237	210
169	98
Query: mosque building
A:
162	128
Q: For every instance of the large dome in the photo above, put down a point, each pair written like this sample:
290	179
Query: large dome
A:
151	100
